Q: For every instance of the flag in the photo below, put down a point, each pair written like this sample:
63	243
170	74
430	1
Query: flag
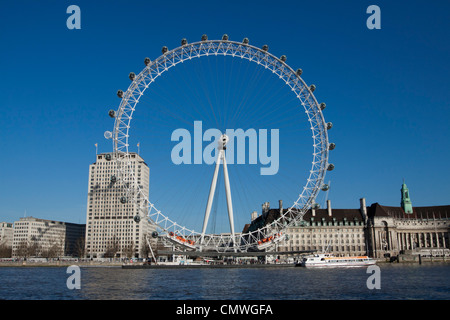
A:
138	144
96	145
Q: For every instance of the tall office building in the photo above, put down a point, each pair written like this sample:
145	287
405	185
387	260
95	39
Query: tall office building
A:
111	230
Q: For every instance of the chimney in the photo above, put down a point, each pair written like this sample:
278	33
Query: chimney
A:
363	208
329	207
254	215
313	211
280	203
265	209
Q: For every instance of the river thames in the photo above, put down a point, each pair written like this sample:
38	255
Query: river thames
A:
398	282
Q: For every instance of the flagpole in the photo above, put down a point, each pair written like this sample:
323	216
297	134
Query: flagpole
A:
96	149
138	147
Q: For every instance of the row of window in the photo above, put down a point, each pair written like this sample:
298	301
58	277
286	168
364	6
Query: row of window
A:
301	229
336	235
291	242
345	249
331	223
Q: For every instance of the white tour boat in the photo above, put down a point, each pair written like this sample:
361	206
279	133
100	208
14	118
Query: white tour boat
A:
328	260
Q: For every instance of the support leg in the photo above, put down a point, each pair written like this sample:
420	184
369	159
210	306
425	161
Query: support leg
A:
228	193
210	197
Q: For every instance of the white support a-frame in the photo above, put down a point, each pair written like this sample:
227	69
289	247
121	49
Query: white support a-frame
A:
220	158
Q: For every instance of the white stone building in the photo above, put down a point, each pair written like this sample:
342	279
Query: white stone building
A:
111	231
338	231
378	231
6	234
35	237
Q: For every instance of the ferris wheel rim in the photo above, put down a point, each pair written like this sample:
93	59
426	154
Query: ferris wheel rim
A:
253	54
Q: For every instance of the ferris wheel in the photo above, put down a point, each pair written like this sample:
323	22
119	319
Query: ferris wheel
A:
265	236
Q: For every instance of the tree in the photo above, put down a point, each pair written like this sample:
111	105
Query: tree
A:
80	248
22	249
53	251
34	249
145	249
129	250
113	248
5	251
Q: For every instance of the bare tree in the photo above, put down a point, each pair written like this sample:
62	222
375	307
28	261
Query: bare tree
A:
80	248
145	250
113	248
22	249
51	252
5	251
62	246
129	250
34	249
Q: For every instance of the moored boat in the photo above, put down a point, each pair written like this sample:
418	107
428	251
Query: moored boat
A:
329	260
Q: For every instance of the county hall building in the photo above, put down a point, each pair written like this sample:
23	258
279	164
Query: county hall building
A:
376	230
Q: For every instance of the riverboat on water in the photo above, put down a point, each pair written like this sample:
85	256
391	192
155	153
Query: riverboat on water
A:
328	260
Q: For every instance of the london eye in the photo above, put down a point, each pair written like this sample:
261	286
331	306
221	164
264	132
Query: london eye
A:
264	236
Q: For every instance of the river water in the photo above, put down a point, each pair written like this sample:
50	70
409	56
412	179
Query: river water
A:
397	281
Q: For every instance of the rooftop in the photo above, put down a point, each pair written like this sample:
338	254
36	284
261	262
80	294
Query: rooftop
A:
433	212
375	210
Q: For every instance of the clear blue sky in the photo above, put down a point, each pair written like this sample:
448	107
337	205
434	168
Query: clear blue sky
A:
387	92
